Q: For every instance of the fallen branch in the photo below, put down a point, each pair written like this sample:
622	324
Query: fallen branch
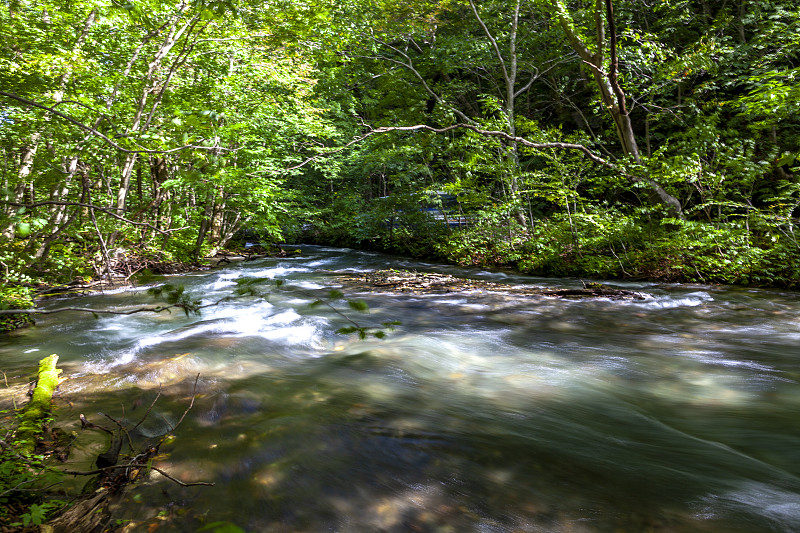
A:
191	404
431	282
156	309
139	466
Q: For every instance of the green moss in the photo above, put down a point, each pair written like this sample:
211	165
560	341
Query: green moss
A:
37	411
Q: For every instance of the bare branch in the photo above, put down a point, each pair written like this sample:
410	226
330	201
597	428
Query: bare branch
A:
147	413
494	41
504	136
409	64
155	309
191	403
488	133
86	424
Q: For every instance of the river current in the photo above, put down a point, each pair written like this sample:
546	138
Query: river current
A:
480	412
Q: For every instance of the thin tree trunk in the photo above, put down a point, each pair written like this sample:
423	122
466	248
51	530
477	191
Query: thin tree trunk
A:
29	152
140	122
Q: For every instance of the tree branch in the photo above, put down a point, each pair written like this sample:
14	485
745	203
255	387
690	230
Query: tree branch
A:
154	309
409	64
96	133
93	208
504	136
492	40
487	133
613	75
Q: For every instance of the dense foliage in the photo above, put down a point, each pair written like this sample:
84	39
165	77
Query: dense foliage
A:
562	137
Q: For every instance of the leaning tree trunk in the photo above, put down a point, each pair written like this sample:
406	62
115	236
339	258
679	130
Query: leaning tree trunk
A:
612	95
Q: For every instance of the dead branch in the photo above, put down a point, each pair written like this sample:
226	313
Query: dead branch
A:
85	424
191	403
106	461
156	309
147	413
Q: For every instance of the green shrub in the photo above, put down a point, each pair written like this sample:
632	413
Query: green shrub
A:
15	297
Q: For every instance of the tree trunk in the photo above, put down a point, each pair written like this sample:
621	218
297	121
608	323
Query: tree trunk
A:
612	95
510	70
29	152
142	122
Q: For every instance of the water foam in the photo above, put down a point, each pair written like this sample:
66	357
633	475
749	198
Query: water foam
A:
693	299
782	507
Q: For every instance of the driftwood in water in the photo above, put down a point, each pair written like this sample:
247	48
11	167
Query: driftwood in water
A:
224	257
427	282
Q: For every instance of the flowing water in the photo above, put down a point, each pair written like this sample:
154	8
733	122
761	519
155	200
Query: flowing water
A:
481	412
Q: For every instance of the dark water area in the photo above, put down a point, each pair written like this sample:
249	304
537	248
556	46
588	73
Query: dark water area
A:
481	412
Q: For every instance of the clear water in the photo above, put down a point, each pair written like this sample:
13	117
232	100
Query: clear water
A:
481	412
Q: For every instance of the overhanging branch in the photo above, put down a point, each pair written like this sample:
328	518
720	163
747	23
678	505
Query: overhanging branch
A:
109	212
96	133
592	156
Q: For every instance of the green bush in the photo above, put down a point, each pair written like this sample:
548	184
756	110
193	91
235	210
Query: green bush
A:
15	297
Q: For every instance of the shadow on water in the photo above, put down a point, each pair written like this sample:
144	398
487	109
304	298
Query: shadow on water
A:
483	412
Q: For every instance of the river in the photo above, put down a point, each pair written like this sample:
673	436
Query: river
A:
480	412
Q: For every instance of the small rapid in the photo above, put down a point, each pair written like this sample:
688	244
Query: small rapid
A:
481	411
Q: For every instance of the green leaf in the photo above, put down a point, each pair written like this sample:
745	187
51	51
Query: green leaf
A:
358	305
222	527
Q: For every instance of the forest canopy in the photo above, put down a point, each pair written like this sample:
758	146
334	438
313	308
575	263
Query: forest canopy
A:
606	138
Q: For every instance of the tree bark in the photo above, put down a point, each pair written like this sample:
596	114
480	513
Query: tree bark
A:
141	121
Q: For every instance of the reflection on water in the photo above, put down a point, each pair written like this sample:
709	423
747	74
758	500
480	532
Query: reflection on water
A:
482	412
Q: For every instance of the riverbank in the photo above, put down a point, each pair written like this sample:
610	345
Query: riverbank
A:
129	271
